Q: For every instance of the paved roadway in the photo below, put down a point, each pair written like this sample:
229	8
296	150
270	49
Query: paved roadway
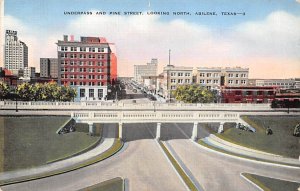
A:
141	162
214	171
143	165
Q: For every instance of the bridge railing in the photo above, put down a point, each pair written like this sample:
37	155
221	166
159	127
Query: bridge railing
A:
130	106
151	116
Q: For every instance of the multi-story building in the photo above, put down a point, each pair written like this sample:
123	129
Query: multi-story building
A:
89	65
297	83
248	94
48	68
215	77
175	76
140	71
15	53
281	83
29	72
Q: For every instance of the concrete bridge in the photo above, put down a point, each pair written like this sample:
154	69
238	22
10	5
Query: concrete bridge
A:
159	117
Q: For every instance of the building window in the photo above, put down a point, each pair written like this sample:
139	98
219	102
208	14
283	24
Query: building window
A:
100	93
243	75
173	74
202	74
82	92
180	81
236	82
208	74
82	49
173	87
91	49
230	81
243	81
64	48
187	74
73	48
236	75
173	80
216	75
208	81
230	75
216	81
187	81
180	74
100	49
91	92
201	81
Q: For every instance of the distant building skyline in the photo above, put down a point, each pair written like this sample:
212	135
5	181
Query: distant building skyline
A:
265	38
15	53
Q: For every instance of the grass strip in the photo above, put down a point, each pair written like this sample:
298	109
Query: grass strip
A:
201	142
222	136
90	147
180	171
268	183
115	184
117	145
255	181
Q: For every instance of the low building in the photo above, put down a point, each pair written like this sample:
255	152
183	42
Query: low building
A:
280	83
215	77
248	94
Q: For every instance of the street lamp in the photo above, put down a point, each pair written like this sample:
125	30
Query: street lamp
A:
15	95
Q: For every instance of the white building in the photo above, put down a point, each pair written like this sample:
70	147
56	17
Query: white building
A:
140	71
16	52
215	77
281	83
1	32
174	77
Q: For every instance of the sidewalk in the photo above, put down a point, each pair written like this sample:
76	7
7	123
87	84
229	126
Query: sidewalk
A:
100	148
217	142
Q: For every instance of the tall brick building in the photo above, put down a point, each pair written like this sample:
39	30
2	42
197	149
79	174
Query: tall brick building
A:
89	65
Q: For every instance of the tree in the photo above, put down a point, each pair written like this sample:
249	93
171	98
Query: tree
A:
45	92
25	91
4	90
193	94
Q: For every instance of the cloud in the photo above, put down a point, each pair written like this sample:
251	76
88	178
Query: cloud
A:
270	43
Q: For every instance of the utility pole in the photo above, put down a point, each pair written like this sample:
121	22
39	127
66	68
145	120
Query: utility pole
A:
169	76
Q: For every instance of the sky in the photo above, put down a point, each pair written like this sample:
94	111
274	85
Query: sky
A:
265	38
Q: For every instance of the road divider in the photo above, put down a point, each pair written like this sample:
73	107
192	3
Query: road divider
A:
186	179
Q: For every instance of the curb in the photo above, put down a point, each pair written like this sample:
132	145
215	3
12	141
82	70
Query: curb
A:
236	146
165	155
245	159
248	180
61	171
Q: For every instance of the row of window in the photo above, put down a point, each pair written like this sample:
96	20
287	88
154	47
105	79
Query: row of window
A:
180	74
209	81
230	75
237	82
82	63
86	83
90	77
82	49
90	70
275	84
216	75
83	56
180	81
91	93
